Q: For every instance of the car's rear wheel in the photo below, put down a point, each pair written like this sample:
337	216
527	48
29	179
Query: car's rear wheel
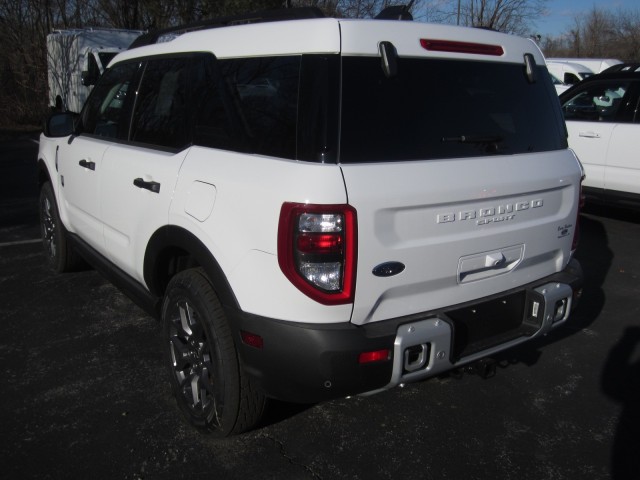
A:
207	380
60	254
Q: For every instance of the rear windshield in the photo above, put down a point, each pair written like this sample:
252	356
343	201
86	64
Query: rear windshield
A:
443	109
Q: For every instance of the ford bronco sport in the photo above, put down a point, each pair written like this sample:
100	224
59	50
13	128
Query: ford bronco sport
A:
318	208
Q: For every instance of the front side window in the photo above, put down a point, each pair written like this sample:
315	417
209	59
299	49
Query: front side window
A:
433	109
106	113
597	102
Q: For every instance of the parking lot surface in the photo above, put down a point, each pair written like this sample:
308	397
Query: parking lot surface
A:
84	392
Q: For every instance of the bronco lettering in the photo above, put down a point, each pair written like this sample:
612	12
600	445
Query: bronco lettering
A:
490	214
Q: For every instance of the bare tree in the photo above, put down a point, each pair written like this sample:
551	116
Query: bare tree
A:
509	16
599	34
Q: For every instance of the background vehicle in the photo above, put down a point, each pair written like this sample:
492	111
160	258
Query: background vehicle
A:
558	84
603	121
338	208
596	65
569	73
75	60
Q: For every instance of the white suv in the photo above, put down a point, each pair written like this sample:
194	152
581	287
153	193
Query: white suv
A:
602	114
319	208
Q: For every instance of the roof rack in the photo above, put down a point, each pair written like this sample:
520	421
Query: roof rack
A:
299	13
623	67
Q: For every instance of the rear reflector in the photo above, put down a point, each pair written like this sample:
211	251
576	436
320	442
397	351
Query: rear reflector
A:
376	356
461	47
251	339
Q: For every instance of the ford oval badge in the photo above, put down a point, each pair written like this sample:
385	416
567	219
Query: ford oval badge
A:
388	269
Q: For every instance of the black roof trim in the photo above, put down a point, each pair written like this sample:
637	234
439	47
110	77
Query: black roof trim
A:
300	13
623	67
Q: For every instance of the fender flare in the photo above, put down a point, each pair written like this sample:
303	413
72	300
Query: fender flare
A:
161	250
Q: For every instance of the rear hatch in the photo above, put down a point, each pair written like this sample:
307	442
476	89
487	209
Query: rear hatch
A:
454	156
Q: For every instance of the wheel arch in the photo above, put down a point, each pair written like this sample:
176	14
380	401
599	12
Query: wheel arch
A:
42	173
173	249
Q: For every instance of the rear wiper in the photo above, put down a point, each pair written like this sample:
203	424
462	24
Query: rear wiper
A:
474	139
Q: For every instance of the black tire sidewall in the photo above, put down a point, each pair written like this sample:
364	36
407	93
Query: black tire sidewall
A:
192	286
57	261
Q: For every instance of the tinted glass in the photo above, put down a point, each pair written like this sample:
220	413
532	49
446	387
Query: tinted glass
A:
596	102
442	109
284	106
106	112
161	111
260	101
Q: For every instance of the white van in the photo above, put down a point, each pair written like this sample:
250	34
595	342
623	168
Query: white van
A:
75	60
568	72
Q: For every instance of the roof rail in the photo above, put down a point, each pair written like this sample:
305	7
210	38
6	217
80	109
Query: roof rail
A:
623	67
299	13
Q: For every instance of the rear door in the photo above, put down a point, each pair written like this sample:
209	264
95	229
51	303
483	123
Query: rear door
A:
461	180
139	177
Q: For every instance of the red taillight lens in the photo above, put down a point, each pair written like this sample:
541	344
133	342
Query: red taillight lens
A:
317	250
320	243
461	47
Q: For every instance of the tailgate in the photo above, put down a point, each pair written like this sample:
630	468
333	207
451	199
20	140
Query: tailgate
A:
462	228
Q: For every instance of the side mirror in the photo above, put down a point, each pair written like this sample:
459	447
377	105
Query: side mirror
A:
60	124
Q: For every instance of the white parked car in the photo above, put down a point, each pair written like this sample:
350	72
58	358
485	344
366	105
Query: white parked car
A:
603	121
321	207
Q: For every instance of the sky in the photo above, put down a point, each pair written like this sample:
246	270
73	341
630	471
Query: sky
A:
563	12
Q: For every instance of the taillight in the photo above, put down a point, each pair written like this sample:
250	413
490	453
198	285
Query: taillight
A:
317	250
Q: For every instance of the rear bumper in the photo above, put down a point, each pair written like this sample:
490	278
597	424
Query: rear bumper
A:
307	363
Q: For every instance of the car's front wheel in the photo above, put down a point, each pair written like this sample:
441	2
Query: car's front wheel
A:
60	254
206	378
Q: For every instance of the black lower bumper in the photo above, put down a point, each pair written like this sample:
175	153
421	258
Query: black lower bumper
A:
307	363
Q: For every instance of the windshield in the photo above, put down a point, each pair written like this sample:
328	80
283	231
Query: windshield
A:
436	109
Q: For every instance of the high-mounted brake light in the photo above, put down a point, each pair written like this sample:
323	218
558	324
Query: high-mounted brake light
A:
461	47
317	250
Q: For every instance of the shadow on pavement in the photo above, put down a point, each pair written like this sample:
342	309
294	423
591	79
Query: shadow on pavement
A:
621	382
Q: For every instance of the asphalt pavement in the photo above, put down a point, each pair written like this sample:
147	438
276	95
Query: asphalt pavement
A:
84	393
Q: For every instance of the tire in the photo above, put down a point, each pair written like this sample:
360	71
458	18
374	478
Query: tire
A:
59	253
206	378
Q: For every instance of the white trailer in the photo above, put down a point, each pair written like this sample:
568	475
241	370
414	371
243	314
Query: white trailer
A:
75	60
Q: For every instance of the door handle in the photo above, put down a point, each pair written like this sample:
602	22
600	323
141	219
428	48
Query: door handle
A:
589	134
86	164
152	186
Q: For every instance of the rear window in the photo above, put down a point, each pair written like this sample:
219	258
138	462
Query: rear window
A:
444	109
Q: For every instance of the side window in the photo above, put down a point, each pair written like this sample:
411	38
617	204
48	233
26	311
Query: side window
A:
249	105
106	111
597	103
161	114
218	119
